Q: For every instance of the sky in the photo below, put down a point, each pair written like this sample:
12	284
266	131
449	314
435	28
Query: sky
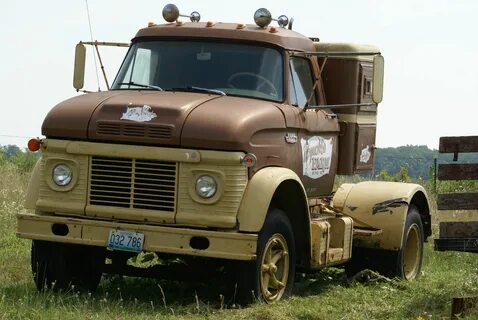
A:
430	50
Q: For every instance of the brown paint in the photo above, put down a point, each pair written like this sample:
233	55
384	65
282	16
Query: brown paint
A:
204	121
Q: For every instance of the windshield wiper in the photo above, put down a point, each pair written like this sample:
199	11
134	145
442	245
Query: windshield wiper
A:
131	83
198	89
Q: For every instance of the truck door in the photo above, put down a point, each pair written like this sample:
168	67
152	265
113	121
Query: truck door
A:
316	131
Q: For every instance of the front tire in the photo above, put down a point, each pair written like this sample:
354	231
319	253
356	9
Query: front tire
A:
57	266
271	277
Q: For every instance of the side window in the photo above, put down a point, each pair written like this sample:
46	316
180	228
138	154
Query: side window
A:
302	82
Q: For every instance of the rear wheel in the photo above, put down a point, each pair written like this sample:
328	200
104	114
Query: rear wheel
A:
271	276
405	263
57	266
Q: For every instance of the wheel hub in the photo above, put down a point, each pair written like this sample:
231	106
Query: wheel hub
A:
275	268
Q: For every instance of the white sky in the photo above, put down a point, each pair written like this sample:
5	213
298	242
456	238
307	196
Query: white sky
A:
430	49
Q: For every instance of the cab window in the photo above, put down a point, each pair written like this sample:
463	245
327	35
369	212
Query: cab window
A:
301	82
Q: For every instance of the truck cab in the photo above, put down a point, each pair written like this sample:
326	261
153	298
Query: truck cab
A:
221	141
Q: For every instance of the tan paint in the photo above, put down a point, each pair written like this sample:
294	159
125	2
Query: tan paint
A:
219	211
226	245
358	201
258	196
347	47
33	189
331	239
70	199
359	118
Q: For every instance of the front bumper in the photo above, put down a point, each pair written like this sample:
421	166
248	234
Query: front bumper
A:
161	239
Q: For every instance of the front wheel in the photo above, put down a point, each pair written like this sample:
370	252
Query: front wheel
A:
58	266
271	276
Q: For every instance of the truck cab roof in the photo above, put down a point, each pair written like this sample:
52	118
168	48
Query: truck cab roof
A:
282	37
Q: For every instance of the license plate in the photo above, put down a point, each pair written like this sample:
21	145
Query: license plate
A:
126	240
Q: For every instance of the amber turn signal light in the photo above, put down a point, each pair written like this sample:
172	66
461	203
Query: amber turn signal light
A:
34	144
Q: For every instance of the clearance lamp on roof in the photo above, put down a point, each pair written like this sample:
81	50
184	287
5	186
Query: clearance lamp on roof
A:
171	14
263	17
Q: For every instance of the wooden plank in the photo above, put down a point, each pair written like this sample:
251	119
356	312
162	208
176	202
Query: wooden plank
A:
458	171
458	144
453	229
462	307
457	201
457	244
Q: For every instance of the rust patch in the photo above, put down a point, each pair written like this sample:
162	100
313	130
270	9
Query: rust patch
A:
386	205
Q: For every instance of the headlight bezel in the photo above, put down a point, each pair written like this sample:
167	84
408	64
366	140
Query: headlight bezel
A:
50	163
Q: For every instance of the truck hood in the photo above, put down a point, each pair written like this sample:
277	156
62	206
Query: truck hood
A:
140	117
185	119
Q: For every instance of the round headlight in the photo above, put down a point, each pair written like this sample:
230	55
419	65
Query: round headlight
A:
62	175
206	187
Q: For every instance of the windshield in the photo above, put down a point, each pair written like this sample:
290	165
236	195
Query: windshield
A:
203	66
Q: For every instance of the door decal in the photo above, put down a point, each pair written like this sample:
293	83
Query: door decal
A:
316	156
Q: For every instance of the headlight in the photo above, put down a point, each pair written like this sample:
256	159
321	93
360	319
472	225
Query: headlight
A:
62	175
206	187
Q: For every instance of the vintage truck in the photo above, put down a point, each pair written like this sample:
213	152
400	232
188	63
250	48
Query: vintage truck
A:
221	142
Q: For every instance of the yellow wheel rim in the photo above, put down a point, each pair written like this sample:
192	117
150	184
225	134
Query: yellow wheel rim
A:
274	268
412	253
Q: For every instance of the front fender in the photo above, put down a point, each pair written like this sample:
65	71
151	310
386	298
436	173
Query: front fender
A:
33	189
258	196
379	205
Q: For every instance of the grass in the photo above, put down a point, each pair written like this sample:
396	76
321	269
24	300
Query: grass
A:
324	295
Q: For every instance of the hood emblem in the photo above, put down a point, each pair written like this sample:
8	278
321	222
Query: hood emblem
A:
291	137
139	114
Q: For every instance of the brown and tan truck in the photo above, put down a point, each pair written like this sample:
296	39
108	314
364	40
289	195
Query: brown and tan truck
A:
220	142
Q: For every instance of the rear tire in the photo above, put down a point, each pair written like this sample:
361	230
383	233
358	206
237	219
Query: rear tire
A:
405	263
271	277
57	266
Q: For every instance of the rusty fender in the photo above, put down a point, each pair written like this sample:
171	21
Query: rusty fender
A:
380	205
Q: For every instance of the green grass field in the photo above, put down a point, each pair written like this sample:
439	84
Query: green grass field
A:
325	295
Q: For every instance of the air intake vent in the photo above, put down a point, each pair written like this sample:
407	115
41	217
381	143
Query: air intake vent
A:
106	128
133	183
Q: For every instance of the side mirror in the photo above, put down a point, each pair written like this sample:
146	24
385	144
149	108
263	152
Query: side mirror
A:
377	88
79	72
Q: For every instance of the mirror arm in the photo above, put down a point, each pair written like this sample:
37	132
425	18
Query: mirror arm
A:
316	83
102	67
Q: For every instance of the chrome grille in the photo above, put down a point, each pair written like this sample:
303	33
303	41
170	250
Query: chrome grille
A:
134	130
133	183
